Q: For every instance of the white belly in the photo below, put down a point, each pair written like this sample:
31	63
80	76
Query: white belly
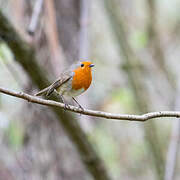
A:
66	89
74	93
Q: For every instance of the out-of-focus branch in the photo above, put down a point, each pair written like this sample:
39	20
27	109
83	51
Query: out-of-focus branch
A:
155	43
5	173
58	57
160	60
67	17
133	64
25	55
9	66
102	114
172	152
35	16
83	36
18	11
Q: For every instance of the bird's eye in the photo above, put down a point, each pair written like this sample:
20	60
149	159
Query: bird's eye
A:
82	65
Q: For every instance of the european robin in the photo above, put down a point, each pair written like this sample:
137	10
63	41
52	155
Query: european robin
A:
71	83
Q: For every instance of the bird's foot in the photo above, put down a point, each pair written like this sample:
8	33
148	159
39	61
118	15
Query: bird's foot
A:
66	106
78	104
81	107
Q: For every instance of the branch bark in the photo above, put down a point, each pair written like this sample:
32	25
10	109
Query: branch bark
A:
141	118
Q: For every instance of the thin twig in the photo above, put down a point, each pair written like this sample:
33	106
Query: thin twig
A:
102	114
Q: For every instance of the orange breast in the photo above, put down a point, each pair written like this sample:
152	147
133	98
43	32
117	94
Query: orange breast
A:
82	79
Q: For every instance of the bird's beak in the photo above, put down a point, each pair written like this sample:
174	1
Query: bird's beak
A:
91	65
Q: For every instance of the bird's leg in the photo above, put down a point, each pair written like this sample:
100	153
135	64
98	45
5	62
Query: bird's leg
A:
77	103
63	100
48	96
57	94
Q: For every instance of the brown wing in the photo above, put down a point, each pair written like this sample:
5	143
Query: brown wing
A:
64	77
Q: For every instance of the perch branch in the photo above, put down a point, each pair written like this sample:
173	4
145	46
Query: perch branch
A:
101	114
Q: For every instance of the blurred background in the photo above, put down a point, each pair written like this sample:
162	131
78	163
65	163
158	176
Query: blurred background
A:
135	46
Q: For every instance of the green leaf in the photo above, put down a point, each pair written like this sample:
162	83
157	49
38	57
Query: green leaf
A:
139	39
5	53
15	135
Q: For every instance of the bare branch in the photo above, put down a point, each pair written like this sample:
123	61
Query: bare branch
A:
102	114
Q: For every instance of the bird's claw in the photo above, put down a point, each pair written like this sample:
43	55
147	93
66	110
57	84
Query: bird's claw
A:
66	106
80	107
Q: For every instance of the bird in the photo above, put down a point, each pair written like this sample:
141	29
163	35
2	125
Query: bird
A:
71	82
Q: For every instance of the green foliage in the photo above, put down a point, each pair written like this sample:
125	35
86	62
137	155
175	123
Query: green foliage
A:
107	148
137	154
139	39
5	53
125	98
15	135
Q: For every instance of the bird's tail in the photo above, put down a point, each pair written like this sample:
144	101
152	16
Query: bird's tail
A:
43	91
